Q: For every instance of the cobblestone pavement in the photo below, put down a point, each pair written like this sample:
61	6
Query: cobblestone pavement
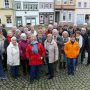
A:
61	81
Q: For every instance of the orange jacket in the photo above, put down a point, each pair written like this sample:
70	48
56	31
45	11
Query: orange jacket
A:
72	50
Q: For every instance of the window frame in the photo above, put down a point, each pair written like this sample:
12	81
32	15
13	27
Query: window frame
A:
9	18
79	3
16	4
6	3
85	4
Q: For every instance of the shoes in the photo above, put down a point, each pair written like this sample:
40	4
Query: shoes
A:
3	78
51	77
87	64
47	74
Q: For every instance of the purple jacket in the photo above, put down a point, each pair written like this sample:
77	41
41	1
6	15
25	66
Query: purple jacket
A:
22	46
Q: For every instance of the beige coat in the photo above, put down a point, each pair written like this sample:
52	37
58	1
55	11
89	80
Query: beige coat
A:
53	51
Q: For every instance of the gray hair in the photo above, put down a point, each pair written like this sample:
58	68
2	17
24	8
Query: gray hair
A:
23	35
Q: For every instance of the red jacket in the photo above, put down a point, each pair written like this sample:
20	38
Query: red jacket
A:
22	47
35	59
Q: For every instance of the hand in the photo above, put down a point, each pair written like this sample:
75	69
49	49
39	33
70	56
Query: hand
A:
41	58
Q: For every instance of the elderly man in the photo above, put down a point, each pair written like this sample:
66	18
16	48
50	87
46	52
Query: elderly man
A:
85	26
85	42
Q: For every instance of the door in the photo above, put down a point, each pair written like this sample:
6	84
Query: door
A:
46	19
57	17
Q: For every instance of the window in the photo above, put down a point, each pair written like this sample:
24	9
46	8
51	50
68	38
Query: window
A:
80	19
25	6
8	18
35	6
41	5
51	19
70	16
46	6
41	19
64	15
51	5
17	5
65	1
30	6
6	3
79	4
85	4
71	2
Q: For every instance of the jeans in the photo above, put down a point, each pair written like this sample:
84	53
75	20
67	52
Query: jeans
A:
88	61
2	74
14	71
34	72
71	65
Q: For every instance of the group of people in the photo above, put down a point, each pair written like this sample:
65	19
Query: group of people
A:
57	47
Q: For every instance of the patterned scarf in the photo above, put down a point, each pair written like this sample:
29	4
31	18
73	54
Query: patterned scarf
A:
35	47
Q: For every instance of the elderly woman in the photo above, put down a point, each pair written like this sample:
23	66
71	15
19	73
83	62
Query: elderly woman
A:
23	43
17	34
79	39
71	49
2	38
59	40
13	57
35	53
63	60
51	54
40	37
6	43
49	30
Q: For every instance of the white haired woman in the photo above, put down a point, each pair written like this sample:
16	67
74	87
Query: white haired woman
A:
6	43
51	54
59	40
23	43
13	57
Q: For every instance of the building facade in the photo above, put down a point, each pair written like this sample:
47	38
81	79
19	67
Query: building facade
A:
35	12
26	12
46	11
82	12
7	14
64	11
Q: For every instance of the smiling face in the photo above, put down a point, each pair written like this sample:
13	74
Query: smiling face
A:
72	39
49	37
14	42
10	34
33	38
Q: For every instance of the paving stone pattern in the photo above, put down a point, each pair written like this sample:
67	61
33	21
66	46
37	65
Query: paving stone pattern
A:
61	81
